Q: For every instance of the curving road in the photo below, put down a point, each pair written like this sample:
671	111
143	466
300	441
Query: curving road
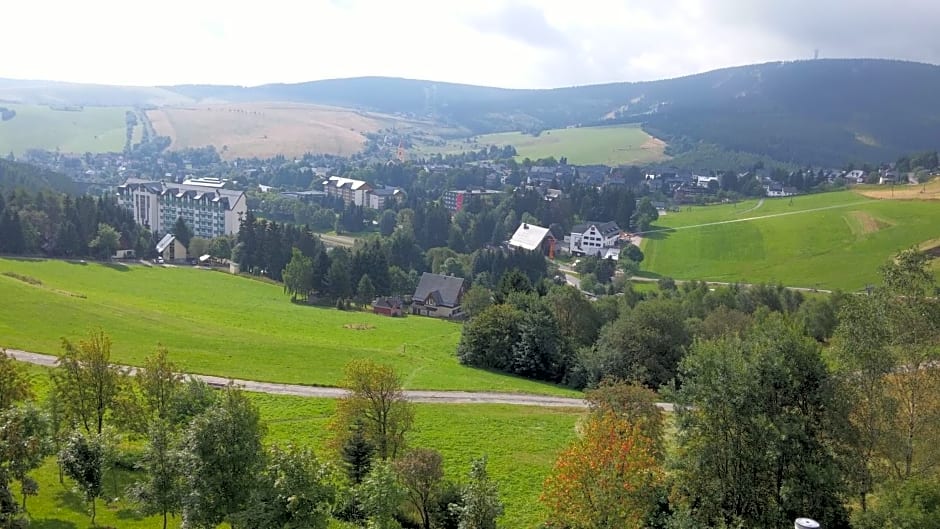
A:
443	397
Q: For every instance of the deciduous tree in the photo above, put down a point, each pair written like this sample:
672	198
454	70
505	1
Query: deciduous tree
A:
295	491
222	455
421	471
607	479
14	385
25	443
82	458
86	382
161	489
377	400
481	504
298	275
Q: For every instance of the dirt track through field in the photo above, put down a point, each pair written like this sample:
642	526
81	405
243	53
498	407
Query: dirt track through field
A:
440	397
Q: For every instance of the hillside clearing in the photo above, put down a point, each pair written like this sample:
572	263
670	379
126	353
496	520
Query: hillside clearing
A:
218	324
610	145
90	129
928	191
830	241
265	129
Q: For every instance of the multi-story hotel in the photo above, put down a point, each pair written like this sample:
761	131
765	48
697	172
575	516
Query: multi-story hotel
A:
208	208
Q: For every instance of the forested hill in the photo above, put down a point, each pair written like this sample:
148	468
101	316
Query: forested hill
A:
15	176
808	112
820	112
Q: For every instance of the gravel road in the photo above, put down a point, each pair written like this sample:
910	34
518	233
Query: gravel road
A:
447	397
443	397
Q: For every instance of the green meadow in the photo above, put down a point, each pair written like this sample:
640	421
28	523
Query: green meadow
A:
520	442
220	324
830	241
610	145
92	129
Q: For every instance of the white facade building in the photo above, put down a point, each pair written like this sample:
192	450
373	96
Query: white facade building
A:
593	238
210	211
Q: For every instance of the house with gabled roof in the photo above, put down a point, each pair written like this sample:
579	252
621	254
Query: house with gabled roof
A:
533	238
593	238
438	296
171	249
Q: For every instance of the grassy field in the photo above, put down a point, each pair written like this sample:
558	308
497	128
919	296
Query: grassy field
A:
216	323
521	444
93	129
266	129
613	145
831	240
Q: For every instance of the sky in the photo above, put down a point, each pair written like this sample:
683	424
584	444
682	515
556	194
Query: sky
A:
506	43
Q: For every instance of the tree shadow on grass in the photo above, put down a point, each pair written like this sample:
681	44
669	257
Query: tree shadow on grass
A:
117	266
26	259
71	500
657	233
51	523
128	514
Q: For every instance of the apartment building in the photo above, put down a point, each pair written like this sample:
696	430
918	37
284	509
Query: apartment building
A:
208	208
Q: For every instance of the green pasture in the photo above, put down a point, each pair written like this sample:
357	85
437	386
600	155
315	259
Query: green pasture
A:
219	324
610	145
520	442
830	241
92	129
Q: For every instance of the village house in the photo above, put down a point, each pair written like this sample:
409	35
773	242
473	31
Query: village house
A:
438	296
170	249
389	306
533	238
593	238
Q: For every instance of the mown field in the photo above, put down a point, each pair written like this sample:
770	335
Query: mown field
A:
521	444
830	241
216	323
265	129
92	129
611	145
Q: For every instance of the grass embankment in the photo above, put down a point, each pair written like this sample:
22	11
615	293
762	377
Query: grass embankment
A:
830	240
91	129
610	145
218	324
520	442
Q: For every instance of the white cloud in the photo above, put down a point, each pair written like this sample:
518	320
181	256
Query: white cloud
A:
514	43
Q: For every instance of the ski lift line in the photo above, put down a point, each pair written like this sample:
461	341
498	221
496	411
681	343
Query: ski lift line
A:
772	215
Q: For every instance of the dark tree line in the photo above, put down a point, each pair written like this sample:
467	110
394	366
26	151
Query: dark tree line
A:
57	225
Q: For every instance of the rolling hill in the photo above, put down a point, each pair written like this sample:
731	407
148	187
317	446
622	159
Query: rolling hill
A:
807	112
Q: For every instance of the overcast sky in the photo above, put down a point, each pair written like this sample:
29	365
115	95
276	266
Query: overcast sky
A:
509	43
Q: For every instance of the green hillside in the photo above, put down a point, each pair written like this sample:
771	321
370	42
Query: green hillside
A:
91	129
610	145
829	241
220	324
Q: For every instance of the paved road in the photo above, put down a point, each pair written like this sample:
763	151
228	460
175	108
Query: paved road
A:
443	397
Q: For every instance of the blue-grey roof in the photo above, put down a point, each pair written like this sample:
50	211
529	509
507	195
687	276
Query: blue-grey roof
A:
445	290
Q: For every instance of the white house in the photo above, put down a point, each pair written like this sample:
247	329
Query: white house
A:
857	176
531	238
593	238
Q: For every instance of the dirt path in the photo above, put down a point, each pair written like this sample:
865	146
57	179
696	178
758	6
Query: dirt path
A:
756	206
442	397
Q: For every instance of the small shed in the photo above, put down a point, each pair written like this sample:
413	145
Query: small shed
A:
389	306
171	249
